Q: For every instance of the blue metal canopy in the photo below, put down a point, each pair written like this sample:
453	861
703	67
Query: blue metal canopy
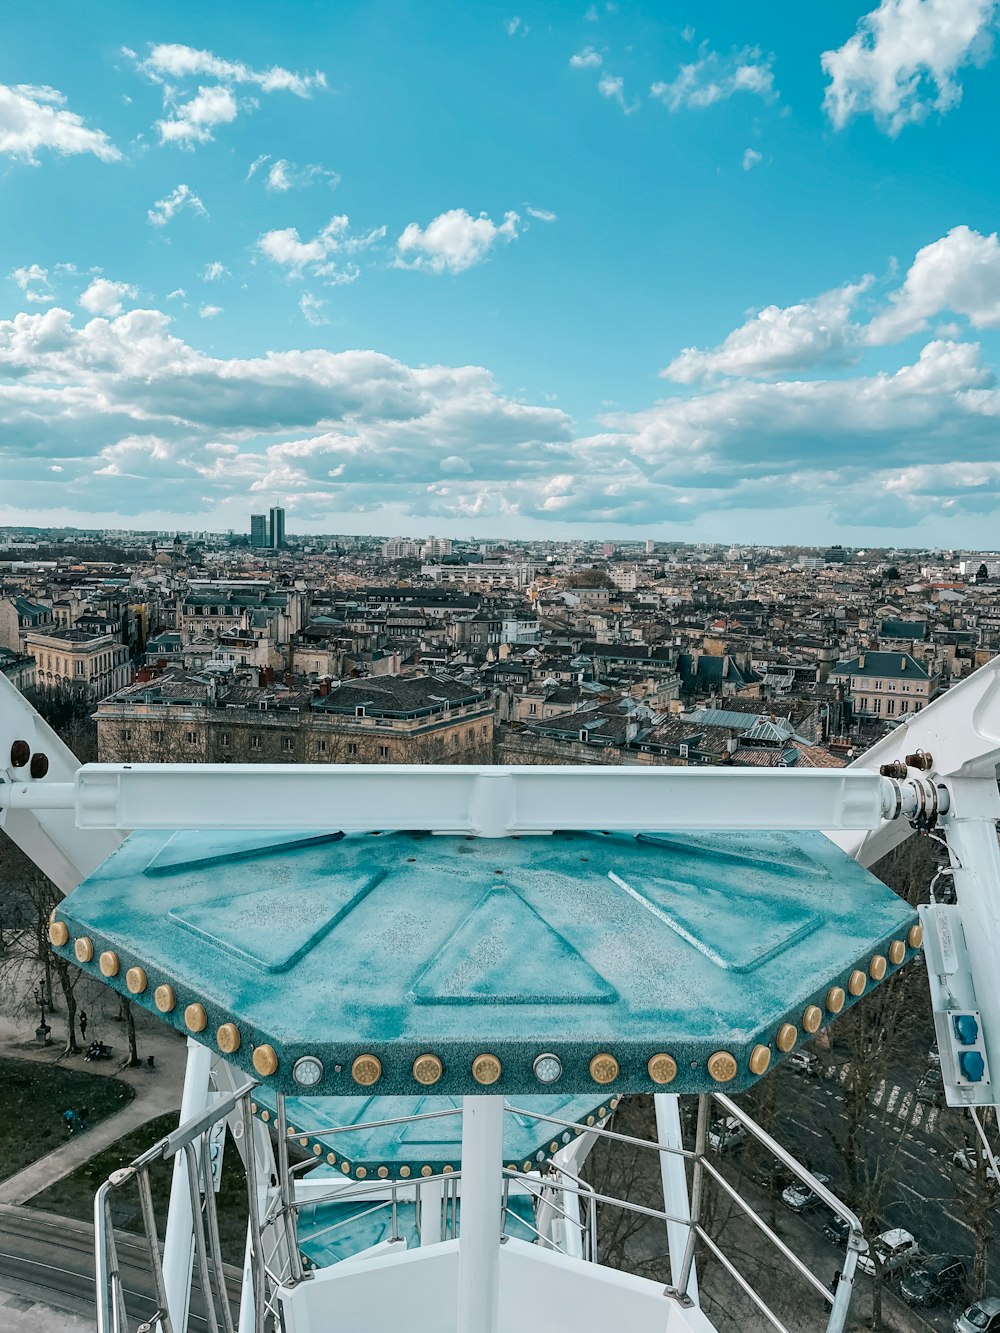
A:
406	963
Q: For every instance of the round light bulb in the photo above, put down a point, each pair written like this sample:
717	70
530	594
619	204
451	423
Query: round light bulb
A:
547	1068
307	1071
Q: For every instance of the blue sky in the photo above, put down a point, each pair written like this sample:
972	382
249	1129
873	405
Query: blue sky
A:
708	272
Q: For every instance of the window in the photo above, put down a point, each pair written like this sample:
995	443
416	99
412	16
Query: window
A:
532	709
683	751
359	711
485	729
126	734
383	752
352	749
224	739
158	737
192	738
454	741
321	747
254	742
287	744
471	734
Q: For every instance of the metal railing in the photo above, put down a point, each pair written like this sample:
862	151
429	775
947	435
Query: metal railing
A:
564	1214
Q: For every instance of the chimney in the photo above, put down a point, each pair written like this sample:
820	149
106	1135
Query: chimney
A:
324	688
261	679
289	679
861	662
902	664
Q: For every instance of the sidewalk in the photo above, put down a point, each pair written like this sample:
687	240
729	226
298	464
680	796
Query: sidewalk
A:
156	1091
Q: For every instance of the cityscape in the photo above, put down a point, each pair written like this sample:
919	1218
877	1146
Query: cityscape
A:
500	667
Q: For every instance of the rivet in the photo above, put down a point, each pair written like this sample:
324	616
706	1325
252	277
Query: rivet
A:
195	1018
426	1171
265	1061
877	966
331	1157
760	1058
602	1112
265	1115
346	1168
604	1068
383	1171
135	980
317	1150
722	1066
404	1171
39	765
366	1070
835	998
20	753
857	982
427	1069
661	1068
590	1119
486	1069
897	952
303	1141
554	1146
447	1170
786	1037
915	938
109	963
58	933
165	999
812	1018
526	1166
84	949
253	1108
228	1038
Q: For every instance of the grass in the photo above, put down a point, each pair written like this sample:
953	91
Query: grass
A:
33	1098
73	1196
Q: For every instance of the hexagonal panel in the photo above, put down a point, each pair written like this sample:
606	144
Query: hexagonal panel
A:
406	963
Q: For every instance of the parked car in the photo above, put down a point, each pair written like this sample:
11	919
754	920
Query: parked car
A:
800	1198
726	1135
930	1089
981	1317
934	1055
939	1278
965	1160
770	1174
894	1249
804	1062
837	1229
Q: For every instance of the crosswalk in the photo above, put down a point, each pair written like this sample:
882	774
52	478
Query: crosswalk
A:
896	1103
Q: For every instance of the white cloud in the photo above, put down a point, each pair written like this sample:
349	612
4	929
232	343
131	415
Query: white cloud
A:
287	249
177	294
181	197
214	271
588	58
542	214
34	282
959	273
612	87
102	297
283	175
453	241
903	60
750	158
174	61
192	122
516	25
209	311
312	308
33	117
714	78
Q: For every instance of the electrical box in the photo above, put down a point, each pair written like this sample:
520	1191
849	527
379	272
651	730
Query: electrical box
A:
965	1070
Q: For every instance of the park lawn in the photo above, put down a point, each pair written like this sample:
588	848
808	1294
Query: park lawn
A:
73	1196
33	1097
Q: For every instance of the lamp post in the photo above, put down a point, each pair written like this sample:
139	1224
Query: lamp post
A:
43	1029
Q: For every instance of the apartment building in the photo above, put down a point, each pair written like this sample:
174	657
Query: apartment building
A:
886	685
79	660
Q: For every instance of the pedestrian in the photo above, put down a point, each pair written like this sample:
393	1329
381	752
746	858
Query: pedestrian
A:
69	1119
83	1024
836	1281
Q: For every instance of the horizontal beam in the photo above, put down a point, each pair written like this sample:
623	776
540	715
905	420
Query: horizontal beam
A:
484	801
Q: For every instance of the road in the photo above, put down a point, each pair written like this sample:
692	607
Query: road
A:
51	1259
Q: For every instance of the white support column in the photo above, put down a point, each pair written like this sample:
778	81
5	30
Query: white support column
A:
248	1314
675	1190
431	1200
178	1242
971	831
482	1190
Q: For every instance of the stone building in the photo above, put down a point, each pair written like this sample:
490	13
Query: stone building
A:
97	664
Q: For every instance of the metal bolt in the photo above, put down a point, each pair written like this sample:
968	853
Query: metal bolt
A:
39	765
20	753
897	769
921	760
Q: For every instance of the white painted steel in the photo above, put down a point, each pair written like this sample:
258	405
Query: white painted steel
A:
479	1233
676	1200
178	1241
486	801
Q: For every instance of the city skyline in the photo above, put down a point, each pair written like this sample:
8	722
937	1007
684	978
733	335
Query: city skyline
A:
726	278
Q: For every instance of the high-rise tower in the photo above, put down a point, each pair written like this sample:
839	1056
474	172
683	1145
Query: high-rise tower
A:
277	528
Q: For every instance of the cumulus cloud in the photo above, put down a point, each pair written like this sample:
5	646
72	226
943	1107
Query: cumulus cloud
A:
779	339
209	311
283	175
289	251
181	197
312	309
750	158
453	241
715	78
959	273
192	119
34	117
214	271
612	86
33	281
102	297
588	58
903	60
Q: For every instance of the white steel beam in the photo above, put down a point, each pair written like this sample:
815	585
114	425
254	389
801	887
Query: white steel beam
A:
485	801
479	1219
178	1240
960	731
